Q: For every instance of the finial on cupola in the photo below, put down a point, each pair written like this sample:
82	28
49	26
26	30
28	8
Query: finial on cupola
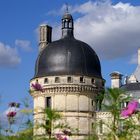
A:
67	8
67	24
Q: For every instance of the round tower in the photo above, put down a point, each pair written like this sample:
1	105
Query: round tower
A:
69	74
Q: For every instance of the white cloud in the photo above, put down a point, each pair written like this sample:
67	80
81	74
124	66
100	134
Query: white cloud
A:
8	56
24	44
112	30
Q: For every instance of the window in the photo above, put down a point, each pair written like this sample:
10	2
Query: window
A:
69	79
66	24
93	81
70	24
48	102
63	22
46	80
57	80
82	80
92	102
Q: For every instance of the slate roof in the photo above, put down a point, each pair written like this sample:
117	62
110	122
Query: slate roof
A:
131	86
68	56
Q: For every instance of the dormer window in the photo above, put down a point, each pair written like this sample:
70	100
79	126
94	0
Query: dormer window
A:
46	80
82	80
69	79
57	80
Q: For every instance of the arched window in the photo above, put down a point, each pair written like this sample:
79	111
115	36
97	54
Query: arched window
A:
66	24
63	23
70	24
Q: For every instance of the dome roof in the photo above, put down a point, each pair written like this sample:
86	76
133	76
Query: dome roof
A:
68	56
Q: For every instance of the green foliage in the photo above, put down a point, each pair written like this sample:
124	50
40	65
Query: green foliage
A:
23	130
120	128
53	122
51	117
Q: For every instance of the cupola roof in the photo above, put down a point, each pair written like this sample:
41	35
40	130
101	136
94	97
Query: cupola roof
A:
67	56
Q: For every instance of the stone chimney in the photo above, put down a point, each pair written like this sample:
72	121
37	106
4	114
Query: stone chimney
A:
45	36
116	79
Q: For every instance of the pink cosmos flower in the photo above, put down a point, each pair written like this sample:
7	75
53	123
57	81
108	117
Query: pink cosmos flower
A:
130	109
65	138
11	114
37	87
60	137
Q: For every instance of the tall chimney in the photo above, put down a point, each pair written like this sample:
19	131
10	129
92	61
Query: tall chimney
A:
45	36
139	56
116	79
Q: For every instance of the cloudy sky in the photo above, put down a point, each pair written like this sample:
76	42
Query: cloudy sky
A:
111	28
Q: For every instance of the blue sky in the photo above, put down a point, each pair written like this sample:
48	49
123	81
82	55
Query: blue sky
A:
111	29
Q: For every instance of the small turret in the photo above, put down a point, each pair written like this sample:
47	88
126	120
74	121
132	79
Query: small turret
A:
67	25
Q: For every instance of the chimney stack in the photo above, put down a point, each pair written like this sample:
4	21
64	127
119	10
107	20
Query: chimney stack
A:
45	36
116	79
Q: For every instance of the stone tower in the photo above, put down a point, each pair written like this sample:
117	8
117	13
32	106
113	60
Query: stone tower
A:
69	73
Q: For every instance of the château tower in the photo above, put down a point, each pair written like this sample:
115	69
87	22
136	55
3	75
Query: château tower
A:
69	73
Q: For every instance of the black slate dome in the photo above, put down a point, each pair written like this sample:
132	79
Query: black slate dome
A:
67	56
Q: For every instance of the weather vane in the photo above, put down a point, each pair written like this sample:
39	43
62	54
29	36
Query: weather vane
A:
67	7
